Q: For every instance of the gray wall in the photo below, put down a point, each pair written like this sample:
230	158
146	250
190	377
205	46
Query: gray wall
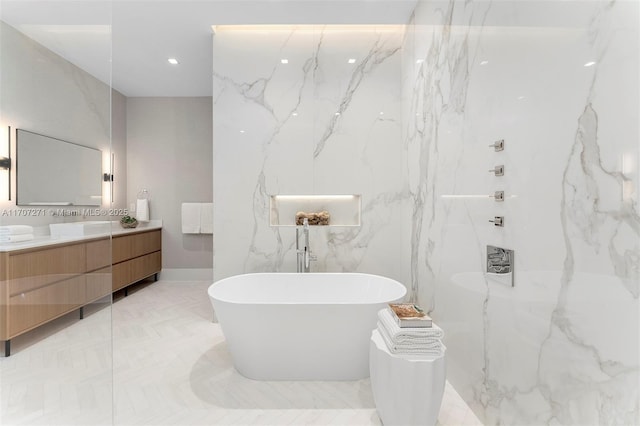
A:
169	153
162	144
44	93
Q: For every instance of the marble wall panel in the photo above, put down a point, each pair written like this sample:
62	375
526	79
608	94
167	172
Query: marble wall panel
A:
562	345
315	125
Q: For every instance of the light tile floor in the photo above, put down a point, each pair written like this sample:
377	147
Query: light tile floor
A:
156	358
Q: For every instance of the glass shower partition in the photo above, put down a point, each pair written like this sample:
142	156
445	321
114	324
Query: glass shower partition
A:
56	363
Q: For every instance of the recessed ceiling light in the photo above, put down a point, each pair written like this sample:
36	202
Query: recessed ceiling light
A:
337	113
173	61
484	62
589	64
419	61
352	61
381	112
284	61
295	114
241	131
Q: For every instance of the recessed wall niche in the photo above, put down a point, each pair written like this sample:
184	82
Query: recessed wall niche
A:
345	210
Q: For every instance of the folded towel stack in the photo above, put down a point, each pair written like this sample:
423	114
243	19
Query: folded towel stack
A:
15	233
197	218
410	340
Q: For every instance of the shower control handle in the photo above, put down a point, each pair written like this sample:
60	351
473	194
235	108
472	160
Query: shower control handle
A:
498	195
497	170
498	221
498	145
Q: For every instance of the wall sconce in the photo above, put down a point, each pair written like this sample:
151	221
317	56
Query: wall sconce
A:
107	177
5	163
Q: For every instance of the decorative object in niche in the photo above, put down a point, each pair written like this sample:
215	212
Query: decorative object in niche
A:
320	218
345	209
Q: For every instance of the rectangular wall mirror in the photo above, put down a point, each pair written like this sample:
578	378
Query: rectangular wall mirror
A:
51	171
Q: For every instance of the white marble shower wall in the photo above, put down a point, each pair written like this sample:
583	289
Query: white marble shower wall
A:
558	81
316	125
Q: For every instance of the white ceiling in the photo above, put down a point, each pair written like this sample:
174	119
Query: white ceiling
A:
127	42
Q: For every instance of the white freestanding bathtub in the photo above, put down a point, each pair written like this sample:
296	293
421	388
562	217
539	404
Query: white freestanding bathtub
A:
301	326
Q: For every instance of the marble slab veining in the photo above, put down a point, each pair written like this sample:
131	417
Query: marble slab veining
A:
317	125
562	346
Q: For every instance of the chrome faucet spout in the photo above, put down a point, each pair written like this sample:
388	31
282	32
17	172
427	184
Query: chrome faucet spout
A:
306	259
305	228
304	256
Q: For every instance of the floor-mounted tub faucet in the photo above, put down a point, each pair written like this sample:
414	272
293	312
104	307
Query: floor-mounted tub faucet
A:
304	255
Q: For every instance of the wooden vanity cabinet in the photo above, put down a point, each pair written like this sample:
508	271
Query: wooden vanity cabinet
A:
98	269
135	257
40	284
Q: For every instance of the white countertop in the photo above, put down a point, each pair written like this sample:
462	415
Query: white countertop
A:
116	229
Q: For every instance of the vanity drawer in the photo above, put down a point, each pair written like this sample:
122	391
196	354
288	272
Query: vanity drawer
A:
98	254
130	246
29	309
57	260
31	270
146	265
120	275
125	273
98	284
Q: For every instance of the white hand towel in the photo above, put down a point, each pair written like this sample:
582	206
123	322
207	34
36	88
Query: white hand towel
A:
142	210
400	334
435	349
16	229
191	218
15	238
206	218
410	344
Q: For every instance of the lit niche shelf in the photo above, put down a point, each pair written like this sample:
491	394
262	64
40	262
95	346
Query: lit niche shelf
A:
344	210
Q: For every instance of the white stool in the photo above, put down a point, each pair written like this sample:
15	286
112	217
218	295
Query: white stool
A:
407	389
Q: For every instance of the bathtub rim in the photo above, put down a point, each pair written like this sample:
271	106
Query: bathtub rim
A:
397	283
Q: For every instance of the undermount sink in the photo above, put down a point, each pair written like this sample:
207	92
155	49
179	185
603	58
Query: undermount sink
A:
79	229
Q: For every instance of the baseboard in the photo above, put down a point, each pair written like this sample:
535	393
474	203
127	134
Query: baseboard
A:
186	274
